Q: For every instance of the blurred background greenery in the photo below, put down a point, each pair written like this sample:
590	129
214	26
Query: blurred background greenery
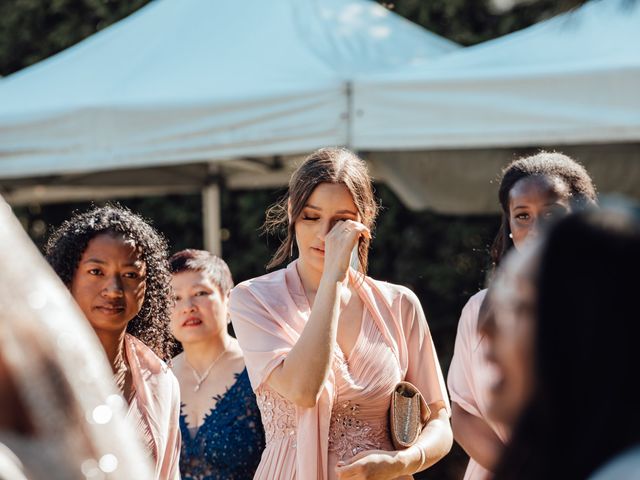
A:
444	259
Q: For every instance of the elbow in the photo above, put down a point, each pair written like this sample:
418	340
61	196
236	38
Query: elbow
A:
445	434
448	438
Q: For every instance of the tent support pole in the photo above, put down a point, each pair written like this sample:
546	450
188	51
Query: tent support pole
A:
211	221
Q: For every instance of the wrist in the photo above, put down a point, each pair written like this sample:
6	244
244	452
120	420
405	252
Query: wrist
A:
412	459
334	274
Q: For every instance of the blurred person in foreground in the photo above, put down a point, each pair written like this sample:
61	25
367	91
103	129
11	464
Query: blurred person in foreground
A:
563	335
325	345
115	266
61	417
222	434
534	191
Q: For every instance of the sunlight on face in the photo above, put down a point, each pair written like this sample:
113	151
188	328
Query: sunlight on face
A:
200	310
329	203
109	284
534	202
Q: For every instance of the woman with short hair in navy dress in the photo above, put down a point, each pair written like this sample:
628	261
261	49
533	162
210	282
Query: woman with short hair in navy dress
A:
222	433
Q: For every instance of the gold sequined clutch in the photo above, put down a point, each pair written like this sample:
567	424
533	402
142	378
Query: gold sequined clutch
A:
408	415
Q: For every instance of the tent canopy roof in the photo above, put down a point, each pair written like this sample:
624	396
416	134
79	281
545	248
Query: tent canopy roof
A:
572	79
200	80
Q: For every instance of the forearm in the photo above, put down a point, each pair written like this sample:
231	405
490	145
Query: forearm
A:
305	369
476	437
434	443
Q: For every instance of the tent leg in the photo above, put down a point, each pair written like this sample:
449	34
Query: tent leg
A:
211	218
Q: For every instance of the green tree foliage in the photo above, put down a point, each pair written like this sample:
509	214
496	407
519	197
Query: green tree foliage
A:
32	30
468	22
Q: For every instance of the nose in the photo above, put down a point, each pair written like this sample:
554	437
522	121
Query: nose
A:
536	227
113	287
188	305
323	229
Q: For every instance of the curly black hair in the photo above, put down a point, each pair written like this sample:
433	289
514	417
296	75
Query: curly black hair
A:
66	245
580	187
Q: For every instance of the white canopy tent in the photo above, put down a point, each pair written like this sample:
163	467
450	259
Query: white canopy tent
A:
571	83
199	84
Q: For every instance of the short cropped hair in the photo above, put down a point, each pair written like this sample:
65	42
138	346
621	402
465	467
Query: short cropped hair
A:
192	260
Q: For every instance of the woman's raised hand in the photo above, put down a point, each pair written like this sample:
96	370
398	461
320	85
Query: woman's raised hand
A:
338	245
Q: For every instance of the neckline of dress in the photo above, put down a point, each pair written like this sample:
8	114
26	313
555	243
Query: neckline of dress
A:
212	411
306	306
347	358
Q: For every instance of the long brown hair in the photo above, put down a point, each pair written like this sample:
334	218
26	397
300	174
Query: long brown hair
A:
327	165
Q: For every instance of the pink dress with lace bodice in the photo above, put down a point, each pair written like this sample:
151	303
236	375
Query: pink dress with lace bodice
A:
268	314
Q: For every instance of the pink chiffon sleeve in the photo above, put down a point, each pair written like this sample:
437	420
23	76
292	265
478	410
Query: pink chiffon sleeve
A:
460	378
171	458
263	335
423	369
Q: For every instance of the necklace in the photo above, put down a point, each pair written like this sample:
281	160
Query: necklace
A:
201	378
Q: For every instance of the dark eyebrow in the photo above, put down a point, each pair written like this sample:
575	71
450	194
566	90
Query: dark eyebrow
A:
136	264
95	260
313	207
557	202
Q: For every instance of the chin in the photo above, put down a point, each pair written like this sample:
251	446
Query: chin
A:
317	264
313	262
193	337
109	323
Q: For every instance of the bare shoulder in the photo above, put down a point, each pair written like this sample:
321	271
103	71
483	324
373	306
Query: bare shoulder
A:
233	360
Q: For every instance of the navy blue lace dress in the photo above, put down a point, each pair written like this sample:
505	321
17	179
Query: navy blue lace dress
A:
229	443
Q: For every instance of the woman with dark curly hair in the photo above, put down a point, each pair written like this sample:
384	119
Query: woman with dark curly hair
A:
534	191
115	265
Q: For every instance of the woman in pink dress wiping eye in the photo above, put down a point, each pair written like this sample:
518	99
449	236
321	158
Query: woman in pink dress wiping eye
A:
325	345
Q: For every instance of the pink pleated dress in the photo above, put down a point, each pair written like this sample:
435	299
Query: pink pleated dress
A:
351	416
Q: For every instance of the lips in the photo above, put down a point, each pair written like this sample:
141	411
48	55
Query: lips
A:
318	250
111	309
192	322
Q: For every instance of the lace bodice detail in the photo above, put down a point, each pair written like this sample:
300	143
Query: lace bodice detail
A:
229	443
349	434
278	415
